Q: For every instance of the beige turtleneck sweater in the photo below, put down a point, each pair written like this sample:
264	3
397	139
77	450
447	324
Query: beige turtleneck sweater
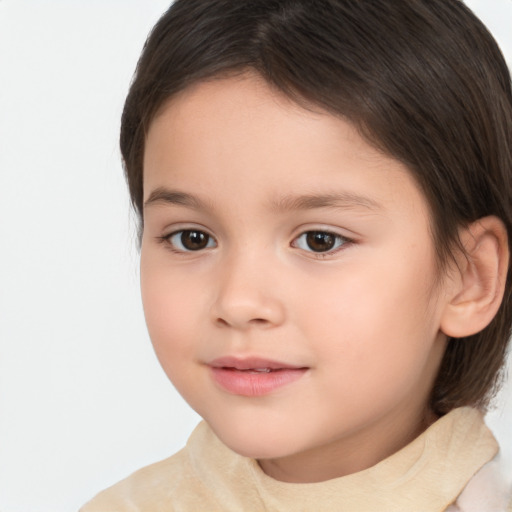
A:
427	475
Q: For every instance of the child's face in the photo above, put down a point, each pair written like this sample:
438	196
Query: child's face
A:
277	238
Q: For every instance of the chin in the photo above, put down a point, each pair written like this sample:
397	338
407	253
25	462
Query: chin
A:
256	442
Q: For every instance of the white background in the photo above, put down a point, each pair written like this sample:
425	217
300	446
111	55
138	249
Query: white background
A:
83	401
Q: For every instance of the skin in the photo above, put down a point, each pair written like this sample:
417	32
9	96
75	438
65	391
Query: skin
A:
364	319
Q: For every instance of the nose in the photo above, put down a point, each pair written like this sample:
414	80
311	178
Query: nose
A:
248	296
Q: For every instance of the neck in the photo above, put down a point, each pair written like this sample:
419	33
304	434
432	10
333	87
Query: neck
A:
349	454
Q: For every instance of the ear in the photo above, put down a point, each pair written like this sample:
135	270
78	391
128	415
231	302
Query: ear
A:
479	281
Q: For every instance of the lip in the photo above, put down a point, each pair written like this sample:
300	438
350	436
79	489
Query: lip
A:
253	376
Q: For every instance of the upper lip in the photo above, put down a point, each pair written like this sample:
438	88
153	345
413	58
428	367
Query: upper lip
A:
251	363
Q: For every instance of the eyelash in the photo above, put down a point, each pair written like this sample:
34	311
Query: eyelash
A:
339	241
168	239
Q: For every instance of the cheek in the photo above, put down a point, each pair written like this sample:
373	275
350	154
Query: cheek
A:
375	321
171	305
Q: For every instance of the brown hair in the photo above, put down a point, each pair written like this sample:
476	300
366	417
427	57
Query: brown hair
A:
423	80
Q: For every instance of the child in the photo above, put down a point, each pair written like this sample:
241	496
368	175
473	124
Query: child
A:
324	193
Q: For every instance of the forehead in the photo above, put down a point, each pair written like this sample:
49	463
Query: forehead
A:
239	133
247	112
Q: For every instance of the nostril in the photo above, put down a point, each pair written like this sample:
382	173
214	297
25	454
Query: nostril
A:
222	322
259	321
242	312
254	321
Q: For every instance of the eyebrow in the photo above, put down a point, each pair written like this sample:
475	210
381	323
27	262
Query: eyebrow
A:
174	197
341	200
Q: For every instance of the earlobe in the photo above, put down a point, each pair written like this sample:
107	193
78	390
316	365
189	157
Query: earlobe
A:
479	281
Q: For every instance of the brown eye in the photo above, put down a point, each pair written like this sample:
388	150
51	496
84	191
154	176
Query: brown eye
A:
319	241
191	240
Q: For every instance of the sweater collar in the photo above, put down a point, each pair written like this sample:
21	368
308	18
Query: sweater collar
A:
427	474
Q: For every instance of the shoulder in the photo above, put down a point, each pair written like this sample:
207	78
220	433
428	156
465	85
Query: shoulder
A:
154	483
171	484
490	490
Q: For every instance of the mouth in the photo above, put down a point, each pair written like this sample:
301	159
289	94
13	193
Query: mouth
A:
253	376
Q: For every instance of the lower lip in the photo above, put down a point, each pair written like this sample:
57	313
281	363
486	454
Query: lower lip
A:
246	383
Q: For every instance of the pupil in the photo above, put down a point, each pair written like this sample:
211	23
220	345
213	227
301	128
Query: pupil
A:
319	241
194	240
